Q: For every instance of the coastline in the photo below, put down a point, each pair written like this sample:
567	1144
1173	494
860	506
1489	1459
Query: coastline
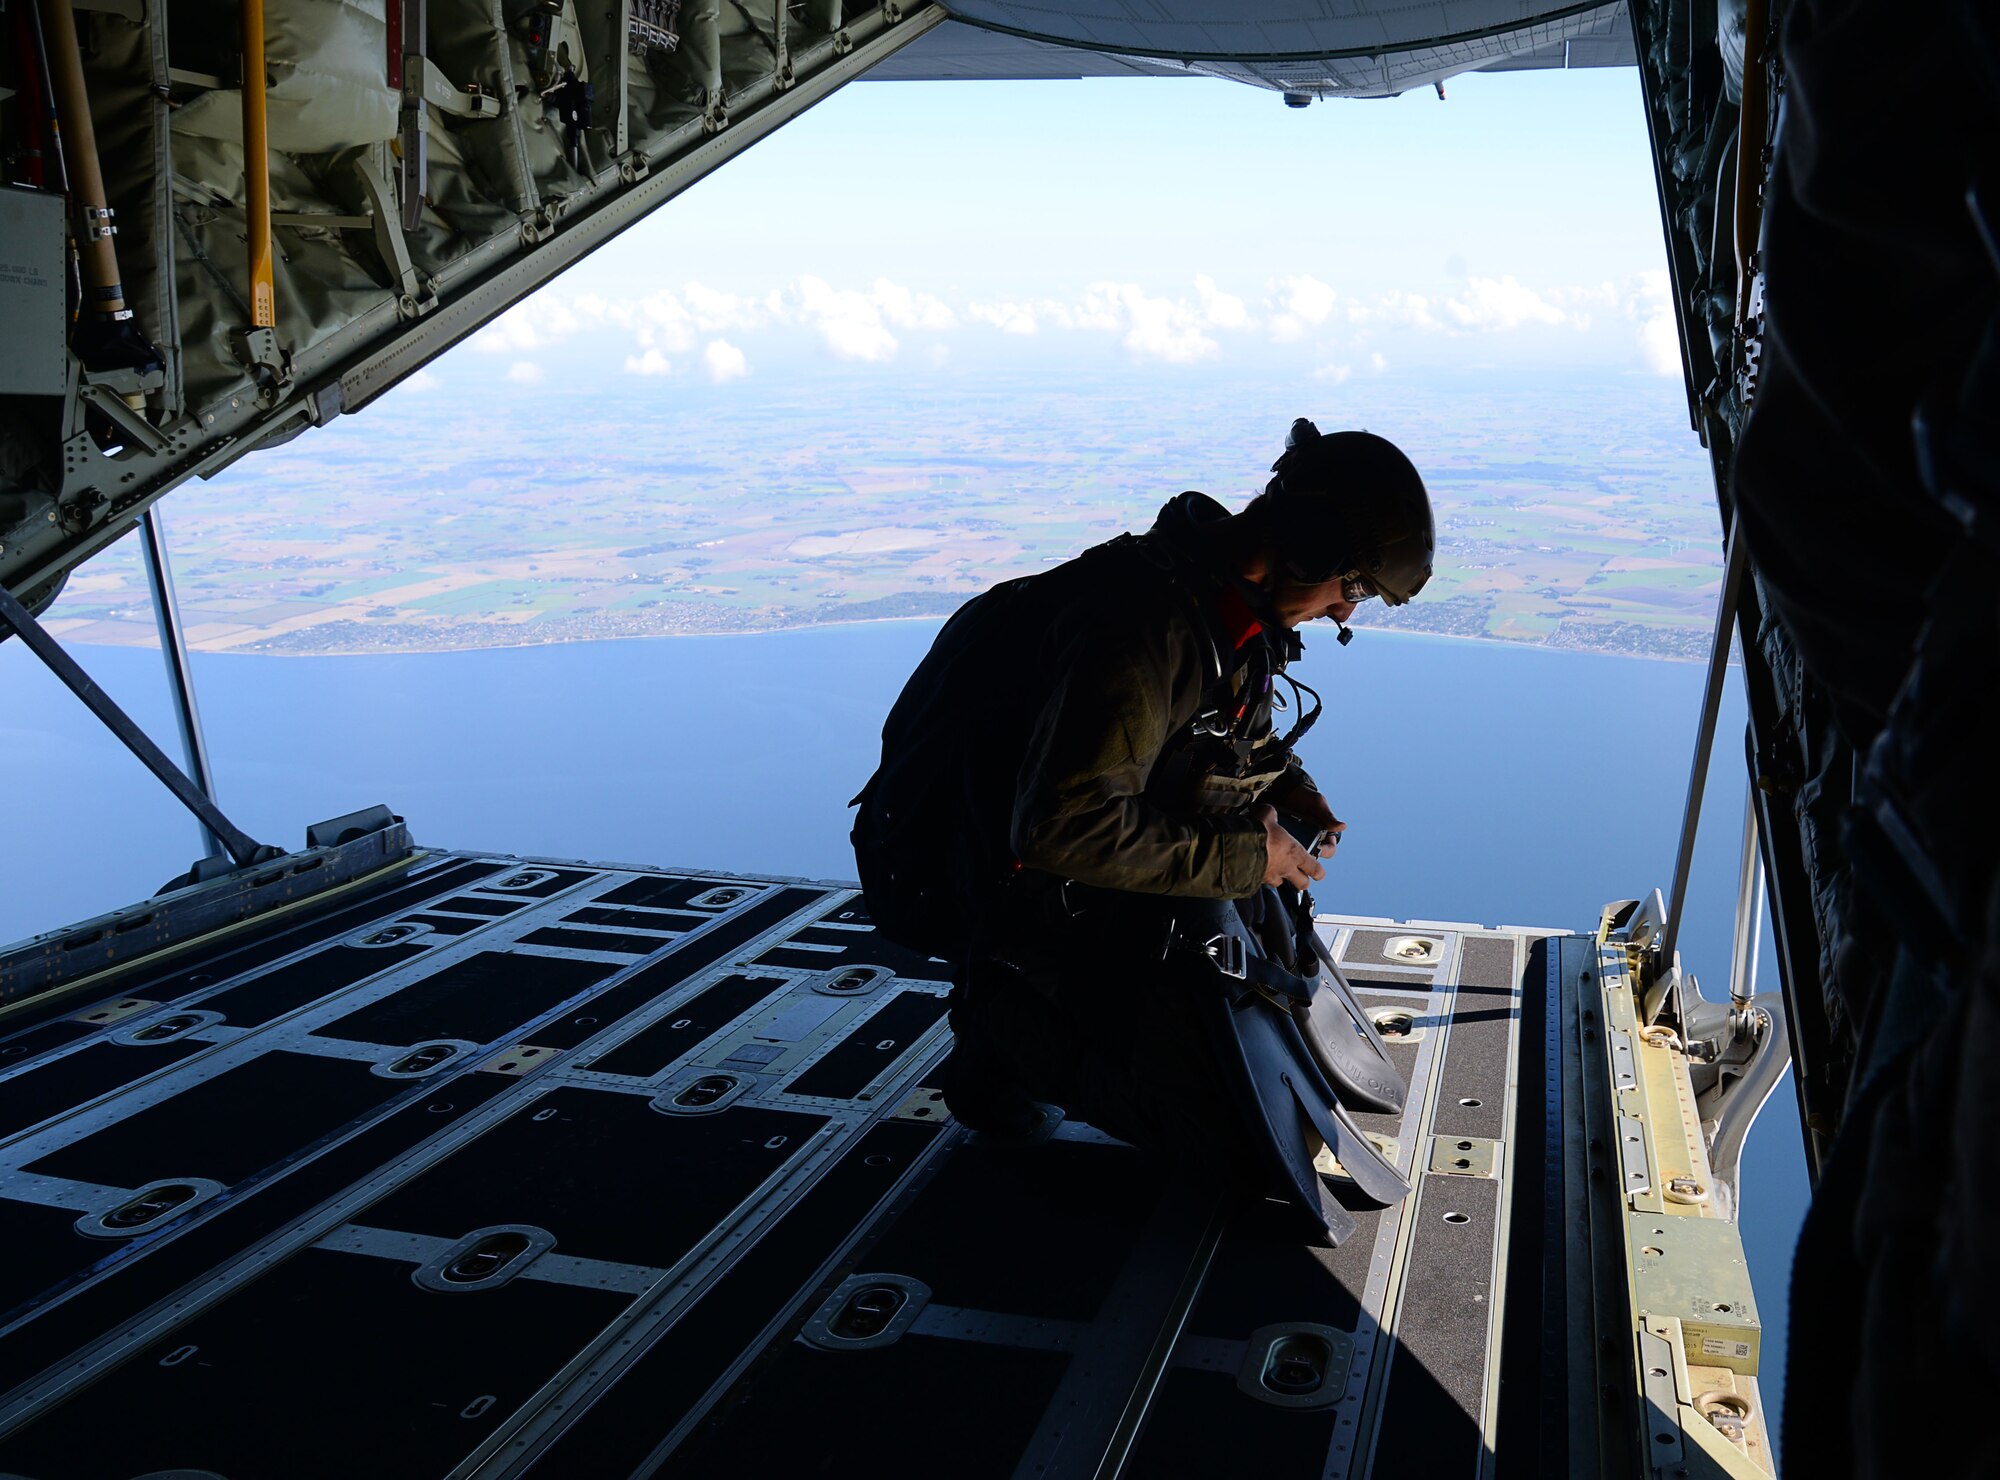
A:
1396	634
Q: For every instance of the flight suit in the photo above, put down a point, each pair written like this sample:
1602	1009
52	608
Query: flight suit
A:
1094	735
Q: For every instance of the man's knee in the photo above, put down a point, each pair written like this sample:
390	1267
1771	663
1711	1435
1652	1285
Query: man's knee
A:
1134	1061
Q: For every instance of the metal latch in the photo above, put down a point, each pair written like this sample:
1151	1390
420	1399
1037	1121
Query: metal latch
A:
1296	1365
178	1026
485	1258
866	1311
421	1060
149	1207
1227	952
704	1092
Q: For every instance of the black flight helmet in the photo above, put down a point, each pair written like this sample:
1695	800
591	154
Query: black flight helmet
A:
1351	501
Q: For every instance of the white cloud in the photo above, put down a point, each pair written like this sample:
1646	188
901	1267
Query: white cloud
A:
1334	373
1223	310
856	325
1155	328
849	322
525	372
1581	302
658	321
1377	363
1008	318
1500	304
1162	329
1094	310
661	322
669	327
907	310
1485	306
725	361
858	339
712	310
420	382
1652	304
1410	309
1174	330
1303	302
533	323
1309	298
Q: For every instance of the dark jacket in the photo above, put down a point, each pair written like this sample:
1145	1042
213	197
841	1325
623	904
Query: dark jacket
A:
1051	732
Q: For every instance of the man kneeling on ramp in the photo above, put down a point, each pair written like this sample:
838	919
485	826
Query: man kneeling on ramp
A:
1085	807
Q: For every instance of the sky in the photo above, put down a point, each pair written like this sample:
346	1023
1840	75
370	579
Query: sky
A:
1191	226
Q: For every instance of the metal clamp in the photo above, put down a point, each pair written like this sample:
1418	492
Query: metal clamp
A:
851	981
1298	1364
149	1207
166	1029
1227	952
421	1060
722	896
484	1259
1413	950
701	1092
525	878
866	1311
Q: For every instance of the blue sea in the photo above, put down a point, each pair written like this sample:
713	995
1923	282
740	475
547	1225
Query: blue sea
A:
1481	782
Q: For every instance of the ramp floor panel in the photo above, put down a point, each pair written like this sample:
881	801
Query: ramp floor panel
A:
227	1128
61	1085
823	948
671	1039
882	1412
1038	1234
871	1048
1203	1425
619	942
534	882
404	1382
138	1273
673	921
30	1042
1432	1423
44	1250
633	1416
610	1176
482	998
696	1155
285	989
656	892
185	975
443	924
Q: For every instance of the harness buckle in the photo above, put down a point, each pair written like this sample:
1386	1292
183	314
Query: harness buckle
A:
1227	952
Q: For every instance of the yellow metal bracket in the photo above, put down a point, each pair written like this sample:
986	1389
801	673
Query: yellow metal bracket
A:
1696	1338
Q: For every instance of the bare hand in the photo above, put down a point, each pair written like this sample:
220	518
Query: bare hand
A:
1311	808
1286	860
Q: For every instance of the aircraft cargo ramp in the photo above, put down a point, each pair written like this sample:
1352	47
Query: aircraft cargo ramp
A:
396	1162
